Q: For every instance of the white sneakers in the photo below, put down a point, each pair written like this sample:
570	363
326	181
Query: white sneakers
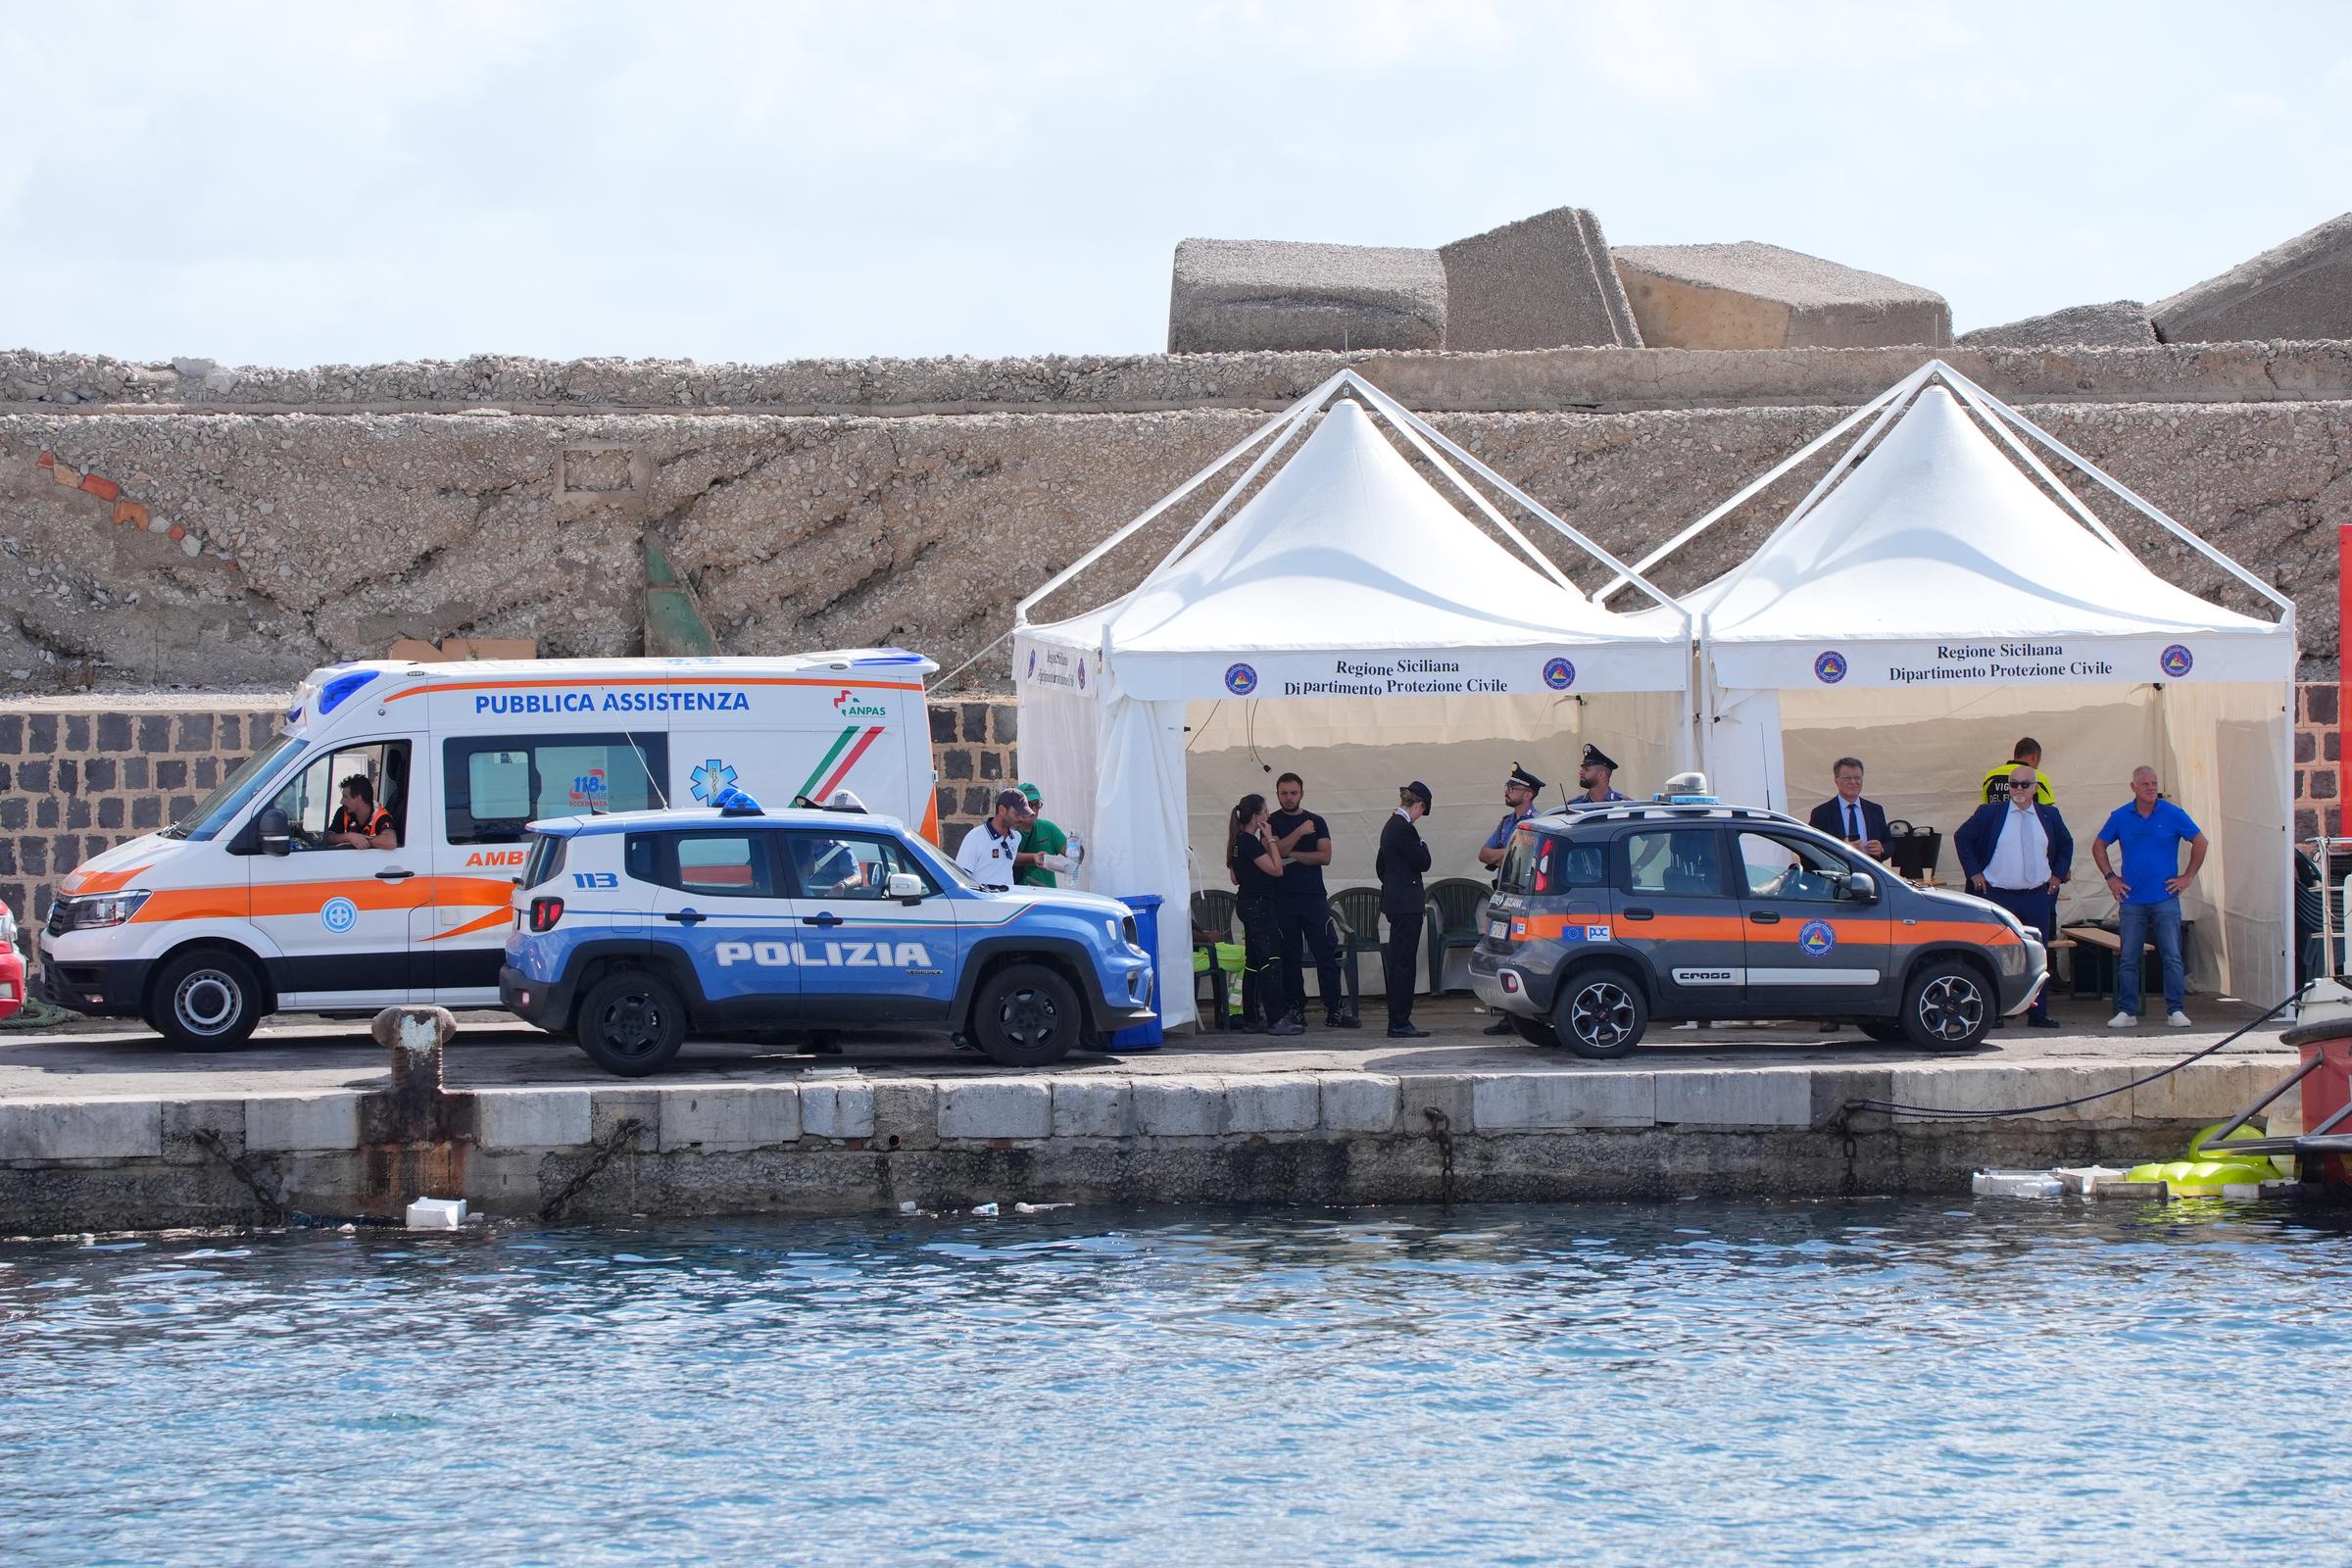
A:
2178	1019
2124	1020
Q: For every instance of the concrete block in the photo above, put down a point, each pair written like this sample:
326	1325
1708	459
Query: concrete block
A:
2299	290
906	1114
1446	1094
730	1116
995	1108
2211	1090
278	1122
1239	295
82	1129
2116	325
183	1118
1522	1101
1360	1102
1276	1103
1179	1107
1751	296
1750	1097
608	1109
1542	283
1093	1108
532	1118
837	1110
2005	1087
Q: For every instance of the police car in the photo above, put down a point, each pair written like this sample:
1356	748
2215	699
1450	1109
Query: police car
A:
1683	908
637	929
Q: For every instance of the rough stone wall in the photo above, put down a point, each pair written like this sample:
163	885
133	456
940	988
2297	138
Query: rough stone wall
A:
2318	759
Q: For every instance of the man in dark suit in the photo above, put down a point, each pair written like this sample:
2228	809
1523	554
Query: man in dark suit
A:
1847	816
2017	854
1401	860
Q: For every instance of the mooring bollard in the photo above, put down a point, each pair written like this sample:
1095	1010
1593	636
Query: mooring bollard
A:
416	1037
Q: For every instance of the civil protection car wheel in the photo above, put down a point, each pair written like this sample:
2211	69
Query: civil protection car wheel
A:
1946	1006
632	1022
207	1000
1600	1013
1536	1031
1026	1016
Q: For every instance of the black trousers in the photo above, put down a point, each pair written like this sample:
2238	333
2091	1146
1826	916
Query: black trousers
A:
2036	909
1307	922
1263	999
1399	964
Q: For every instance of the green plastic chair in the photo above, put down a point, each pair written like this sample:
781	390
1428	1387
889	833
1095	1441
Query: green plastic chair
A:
1357	909
1216	910
1453	923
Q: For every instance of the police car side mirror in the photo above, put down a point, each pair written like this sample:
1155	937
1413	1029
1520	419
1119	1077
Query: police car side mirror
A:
907	887
276	840
1861	887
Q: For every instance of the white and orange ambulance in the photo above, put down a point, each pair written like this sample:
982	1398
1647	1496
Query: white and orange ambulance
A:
251	905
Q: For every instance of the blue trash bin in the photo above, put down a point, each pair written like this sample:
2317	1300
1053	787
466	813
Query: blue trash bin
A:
1144	906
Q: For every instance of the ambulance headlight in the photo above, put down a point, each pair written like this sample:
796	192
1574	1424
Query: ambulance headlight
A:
95	911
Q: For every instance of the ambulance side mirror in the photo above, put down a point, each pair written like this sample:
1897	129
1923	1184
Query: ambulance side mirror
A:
276	840
907	887
1861	887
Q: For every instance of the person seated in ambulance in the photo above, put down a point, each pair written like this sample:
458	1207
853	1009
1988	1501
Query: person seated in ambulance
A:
358	823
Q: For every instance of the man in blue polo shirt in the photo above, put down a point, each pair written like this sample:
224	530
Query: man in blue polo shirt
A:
2147	890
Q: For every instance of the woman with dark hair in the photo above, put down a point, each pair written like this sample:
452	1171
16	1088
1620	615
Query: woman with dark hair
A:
1254	854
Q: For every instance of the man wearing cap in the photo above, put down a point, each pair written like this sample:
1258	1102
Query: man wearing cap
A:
1302	907
1519	791
1401	860
1045	847
990	854
1594	776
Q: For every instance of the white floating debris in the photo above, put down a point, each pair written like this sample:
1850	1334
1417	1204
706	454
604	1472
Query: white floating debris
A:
436	1214
2016	1184
906	1207
2086	1178
1036	1208
985	1210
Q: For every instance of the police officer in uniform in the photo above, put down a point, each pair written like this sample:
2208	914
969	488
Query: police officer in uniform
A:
1594	776
1519	792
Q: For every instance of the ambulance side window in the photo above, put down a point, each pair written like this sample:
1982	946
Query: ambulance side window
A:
496	784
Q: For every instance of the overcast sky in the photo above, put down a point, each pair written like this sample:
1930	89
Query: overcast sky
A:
321	182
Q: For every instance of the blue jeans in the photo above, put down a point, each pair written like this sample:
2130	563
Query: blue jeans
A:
2137	923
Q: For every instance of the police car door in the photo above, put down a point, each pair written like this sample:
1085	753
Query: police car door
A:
720	899
868	956
337	919
1675	908
1812	947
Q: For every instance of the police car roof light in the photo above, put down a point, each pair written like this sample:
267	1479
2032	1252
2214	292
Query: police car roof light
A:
734	802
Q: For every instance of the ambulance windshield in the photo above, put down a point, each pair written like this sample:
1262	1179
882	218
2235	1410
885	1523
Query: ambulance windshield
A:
221	808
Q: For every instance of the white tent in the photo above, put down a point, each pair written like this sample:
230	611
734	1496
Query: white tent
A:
1927	601
1350	611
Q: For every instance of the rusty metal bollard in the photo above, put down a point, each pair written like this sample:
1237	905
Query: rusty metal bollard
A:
416	1037
410	1151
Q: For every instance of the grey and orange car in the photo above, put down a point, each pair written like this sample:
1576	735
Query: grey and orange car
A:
1604	920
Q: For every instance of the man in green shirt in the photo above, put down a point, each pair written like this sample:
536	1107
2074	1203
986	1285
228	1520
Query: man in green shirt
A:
1040	838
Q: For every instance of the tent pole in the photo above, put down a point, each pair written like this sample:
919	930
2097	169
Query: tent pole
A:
1977	398
1436	461
1208	518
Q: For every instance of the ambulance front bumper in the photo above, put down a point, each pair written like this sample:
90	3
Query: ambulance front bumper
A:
105	988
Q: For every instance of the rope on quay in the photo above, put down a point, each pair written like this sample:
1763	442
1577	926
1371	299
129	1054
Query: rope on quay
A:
1945	1113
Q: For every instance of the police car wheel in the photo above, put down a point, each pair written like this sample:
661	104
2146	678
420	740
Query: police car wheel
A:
1600	1013
1947	1007
632	1023
1027	1016
206	1001
1536	1031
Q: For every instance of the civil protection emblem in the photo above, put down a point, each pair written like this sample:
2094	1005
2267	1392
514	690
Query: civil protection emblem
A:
1816	939
1829	667
1241	679
1559	674
2176	661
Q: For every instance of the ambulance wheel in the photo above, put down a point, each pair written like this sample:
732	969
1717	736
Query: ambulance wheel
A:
1027	1016
1600	1013
1536	1031
632	1023
207	1000
1947	1007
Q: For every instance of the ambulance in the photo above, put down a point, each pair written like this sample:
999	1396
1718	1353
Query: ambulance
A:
247	906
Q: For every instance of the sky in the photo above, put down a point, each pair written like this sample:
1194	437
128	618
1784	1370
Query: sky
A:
312	183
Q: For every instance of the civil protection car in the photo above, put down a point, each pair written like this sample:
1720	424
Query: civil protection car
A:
1604	920
637	929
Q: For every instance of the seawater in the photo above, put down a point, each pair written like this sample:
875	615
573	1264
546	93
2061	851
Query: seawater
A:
1699	1382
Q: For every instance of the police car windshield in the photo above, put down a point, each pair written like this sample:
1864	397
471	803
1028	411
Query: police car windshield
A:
218	808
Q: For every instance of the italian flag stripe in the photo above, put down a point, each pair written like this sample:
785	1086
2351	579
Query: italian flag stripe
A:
807	790
855	751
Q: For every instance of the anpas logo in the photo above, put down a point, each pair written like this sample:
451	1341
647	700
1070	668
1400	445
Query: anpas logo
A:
1816	939
2176	661
824	954
1829	667
1241	679
1559	674
848	705
712	780
339	915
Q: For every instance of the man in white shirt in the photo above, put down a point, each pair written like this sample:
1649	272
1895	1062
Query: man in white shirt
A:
2016	854
992	851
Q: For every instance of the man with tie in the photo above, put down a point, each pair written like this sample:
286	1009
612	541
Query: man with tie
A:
1401	860
2016	854
1847	816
